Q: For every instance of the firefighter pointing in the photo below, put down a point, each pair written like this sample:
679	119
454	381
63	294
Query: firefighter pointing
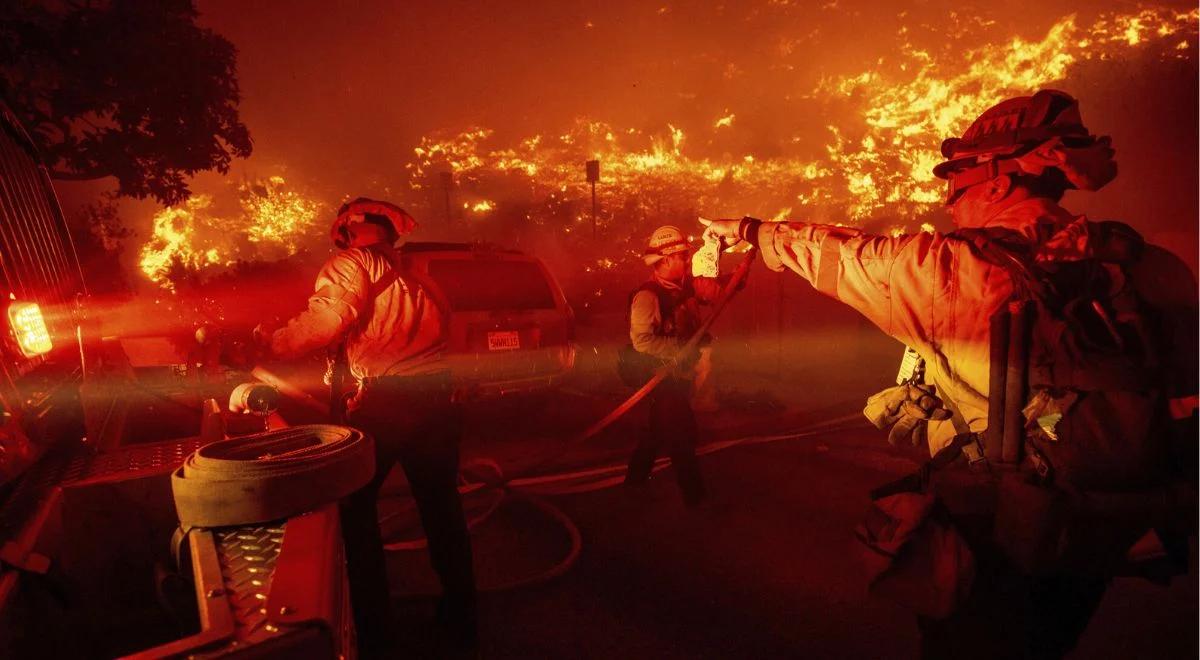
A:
393	338
1095	339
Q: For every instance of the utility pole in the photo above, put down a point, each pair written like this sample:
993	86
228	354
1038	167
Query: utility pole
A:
447	179
593	175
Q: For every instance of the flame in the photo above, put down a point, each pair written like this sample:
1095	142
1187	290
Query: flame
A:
193	237
876	162
173	242
942	98
482	207
275	214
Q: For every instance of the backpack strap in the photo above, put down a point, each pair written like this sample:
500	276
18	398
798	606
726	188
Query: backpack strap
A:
918	481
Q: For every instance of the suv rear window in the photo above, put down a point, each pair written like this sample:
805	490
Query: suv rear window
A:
474	285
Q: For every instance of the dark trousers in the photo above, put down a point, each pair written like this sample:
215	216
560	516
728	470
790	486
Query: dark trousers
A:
418	427
672	423
1009	615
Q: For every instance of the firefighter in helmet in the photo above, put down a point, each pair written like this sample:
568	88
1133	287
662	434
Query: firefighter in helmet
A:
664	312
939	293
392	335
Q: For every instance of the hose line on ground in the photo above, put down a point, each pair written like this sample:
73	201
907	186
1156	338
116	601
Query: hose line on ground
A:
533	489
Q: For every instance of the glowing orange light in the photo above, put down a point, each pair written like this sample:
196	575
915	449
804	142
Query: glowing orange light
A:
274	219
876	161
29	328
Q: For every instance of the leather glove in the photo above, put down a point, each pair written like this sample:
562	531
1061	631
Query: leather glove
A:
908	409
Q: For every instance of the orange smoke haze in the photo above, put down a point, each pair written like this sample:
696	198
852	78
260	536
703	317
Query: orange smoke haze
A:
825	111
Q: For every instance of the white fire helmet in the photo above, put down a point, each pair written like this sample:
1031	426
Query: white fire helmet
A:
665	240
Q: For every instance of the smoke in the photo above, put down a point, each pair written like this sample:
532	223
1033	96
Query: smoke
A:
830	112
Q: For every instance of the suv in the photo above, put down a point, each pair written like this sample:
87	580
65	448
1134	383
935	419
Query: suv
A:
510	327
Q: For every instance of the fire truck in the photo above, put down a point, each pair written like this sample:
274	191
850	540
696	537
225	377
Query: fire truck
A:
93	561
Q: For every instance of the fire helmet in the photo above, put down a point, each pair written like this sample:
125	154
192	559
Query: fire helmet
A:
358	209
1028	134
665	240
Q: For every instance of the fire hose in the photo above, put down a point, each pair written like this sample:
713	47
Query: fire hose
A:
661	374
271	475
282	473
532	490
610	475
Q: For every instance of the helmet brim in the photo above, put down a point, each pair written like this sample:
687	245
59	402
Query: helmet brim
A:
652	258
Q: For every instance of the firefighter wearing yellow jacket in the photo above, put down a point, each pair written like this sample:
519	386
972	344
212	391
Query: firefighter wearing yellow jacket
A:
393	336
937	293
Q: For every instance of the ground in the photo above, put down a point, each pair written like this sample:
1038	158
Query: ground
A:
768	568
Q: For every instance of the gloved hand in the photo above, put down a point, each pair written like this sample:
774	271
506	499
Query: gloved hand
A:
724	230
706	261
908	408
261	334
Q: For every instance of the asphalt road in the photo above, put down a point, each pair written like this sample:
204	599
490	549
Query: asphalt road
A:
769	568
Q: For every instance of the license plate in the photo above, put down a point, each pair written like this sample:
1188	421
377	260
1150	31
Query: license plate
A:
508	340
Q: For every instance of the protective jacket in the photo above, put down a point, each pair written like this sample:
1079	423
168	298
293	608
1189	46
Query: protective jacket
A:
936	292
391	324
658	331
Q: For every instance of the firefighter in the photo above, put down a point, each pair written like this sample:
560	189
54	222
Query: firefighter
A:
936	293
392	334
664	312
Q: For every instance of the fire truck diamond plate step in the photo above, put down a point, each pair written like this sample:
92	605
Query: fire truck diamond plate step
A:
247	555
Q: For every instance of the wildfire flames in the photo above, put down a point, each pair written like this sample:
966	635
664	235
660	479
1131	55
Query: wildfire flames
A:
882	128
174	242
273	222
876	163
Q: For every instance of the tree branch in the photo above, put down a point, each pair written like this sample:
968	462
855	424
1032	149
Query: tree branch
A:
89	175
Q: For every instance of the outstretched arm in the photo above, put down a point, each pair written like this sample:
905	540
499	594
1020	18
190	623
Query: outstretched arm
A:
891	280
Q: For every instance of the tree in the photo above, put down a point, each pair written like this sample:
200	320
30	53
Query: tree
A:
99	237
132	89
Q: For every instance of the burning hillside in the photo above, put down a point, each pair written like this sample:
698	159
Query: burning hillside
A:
860	150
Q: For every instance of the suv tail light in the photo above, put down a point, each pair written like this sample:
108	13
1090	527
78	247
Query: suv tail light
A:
29	328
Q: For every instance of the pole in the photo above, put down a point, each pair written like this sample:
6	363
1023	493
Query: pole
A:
447	184
592	170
